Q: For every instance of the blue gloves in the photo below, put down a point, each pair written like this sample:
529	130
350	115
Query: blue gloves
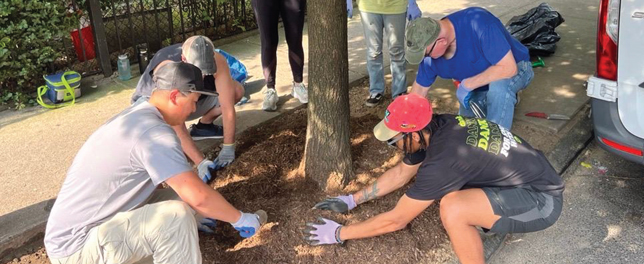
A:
413	11
226	156
207	225
349	8
247	224
204	168
464	95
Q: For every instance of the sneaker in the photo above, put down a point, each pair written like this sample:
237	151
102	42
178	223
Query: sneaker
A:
299	92
201	131
518	97
373	99
270	100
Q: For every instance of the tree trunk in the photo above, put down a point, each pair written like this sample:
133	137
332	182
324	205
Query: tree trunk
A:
327	156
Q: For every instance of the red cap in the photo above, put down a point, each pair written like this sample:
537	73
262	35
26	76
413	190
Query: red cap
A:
408	113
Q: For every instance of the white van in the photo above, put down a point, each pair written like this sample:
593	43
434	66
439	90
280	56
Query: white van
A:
617	89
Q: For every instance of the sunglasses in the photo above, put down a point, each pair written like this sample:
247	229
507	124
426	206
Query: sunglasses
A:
392	141
432	49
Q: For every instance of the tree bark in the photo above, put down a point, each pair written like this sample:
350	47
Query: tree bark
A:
327	155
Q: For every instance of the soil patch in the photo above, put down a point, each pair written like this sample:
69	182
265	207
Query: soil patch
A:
264	177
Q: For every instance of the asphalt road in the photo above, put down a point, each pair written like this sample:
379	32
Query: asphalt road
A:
602	221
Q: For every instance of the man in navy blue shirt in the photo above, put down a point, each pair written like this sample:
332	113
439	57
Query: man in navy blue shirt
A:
472	47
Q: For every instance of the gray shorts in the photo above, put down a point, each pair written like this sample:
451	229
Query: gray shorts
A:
523	210
204	105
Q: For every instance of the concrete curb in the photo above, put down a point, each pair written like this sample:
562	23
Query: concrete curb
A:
575	140
23	228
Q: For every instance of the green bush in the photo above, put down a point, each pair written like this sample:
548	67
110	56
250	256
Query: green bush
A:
30	40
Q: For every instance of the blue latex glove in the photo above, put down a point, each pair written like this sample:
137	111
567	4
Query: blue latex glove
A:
226	156
207	225
413	11
339	204
349	8
323	232
464	95
204	170
247	224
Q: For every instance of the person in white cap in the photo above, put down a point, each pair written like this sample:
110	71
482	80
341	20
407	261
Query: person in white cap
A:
199	51
110	209
483	175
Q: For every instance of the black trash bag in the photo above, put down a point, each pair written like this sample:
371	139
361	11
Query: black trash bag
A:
536	29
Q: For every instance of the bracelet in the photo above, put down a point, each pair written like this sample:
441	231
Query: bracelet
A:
337	235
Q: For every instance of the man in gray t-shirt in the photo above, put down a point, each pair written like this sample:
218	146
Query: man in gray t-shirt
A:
110	209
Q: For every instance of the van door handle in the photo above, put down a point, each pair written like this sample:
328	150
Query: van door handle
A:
638	15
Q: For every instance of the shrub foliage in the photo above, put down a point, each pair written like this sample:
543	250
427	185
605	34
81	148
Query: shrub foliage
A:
30	40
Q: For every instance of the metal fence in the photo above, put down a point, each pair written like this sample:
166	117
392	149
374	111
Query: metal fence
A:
108	28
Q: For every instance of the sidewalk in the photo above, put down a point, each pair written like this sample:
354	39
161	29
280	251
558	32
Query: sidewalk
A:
37	146
601	221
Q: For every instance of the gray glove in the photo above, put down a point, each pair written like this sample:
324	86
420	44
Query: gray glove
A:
204	168
226	156
338	204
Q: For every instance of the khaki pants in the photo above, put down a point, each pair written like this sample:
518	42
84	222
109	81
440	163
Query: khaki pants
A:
162	231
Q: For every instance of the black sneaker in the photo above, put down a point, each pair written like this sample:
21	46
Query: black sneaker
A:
201	131
374	99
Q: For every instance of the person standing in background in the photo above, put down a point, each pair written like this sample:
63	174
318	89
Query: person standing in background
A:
390	15
267	13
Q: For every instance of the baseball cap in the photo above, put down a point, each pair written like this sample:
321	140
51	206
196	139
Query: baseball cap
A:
199	51
407	113
182	76
419	34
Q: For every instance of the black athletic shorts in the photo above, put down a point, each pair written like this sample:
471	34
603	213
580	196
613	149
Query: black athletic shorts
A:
523	210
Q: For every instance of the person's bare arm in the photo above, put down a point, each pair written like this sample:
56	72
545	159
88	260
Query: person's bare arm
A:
187	144
406	210
419	89
388	182
226	88
505	68
202	198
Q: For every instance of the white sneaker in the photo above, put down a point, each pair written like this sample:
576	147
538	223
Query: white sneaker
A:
270	100
299	92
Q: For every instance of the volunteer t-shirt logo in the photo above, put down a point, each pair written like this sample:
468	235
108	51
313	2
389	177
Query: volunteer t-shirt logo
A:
488	136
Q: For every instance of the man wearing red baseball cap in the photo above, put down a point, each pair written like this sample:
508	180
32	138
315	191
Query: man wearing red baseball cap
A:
484	176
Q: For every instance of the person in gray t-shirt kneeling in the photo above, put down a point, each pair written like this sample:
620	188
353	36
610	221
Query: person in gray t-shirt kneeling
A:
110	209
